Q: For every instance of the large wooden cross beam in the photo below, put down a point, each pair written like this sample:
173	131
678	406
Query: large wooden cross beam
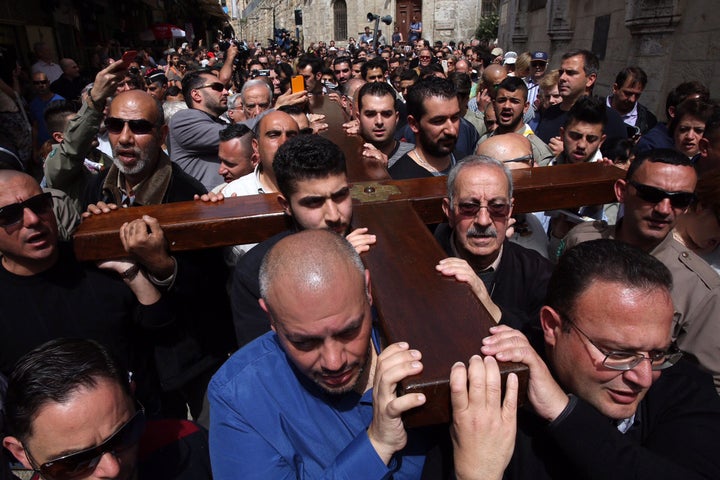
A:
436	315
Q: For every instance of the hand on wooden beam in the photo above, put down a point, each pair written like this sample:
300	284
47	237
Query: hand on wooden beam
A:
484	426
361	240
99	208
463	272
509	345
387	432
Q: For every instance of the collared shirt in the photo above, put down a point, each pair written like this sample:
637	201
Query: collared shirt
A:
631	117
270	421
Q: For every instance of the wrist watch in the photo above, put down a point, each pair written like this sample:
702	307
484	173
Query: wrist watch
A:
131	272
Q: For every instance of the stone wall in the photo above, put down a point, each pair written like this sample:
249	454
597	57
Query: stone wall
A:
672	40
443	20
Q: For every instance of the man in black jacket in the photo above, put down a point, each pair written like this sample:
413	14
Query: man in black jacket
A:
188	353
607	397
509	280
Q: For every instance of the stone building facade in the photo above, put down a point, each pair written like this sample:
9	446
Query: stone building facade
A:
672	40
443	20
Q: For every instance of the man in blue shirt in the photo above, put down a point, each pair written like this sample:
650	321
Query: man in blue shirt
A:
315	398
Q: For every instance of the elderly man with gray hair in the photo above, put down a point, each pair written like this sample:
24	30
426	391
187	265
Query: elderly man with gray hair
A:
509	279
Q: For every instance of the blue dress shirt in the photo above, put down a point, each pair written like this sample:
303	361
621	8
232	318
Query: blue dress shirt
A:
269	421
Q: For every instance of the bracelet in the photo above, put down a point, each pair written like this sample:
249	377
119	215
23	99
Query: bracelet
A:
131	272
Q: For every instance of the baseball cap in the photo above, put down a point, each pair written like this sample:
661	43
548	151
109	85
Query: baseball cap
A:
539	57
510	58
497	51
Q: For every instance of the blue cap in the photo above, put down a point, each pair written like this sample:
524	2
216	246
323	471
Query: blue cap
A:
542	56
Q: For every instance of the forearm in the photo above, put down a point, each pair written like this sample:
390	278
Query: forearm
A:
65	163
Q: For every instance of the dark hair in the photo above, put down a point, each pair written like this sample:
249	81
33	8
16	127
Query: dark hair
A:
591	64
52	373
56	114
513	84
637	74
431	70
462	82
344	59
359	61
377	62
173	91
191	81
668	156
235	130
315	63
376	89
712	126
426	88
617	149
291	109
686	89
306	157
410	74
603	260
588	109
691	107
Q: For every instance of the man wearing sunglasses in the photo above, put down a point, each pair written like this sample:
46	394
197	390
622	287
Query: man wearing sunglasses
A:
608	396
509	279
657	188
70	415
194	133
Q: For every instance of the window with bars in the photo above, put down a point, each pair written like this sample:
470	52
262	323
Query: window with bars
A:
489	7
340	17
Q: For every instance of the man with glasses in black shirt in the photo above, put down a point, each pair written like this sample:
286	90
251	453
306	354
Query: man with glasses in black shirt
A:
658	187
608	396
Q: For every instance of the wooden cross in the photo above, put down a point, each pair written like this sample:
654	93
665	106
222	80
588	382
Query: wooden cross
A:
436	315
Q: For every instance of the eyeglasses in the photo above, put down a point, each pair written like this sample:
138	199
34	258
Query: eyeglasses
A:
116	125
13	214
217	86
83	463
425	57
680	200
624	361
495	210
528	159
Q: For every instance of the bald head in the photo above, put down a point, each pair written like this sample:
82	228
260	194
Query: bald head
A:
140	101
506	147
493	75
327	260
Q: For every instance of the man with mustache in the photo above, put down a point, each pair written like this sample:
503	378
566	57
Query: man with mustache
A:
142	174
657	188
509	280
316	397
434	119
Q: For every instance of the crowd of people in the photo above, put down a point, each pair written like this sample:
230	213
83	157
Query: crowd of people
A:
266	360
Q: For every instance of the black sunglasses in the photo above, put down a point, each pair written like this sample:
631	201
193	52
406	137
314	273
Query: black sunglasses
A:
217	86
495	210
13	213
82	464
138	127
680	200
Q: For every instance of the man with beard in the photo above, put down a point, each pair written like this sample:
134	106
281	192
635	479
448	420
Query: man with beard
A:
314	192
378	118
142	174
658	187
510	280
195	133
316	397
434	118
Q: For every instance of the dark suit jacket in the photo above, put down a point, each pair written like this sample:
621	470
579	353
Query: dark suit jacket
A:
520	282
